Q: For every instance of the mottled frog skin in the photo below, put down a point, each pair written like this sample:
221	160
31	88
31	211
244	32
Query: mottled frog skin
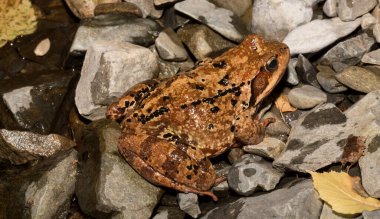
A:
171	128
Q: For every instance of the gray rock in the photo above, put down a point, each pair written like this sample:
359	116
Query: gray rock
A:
368	20
251	173
32	101
376	32
338	66
110	29
372	57
221	20
109	70
167	212
163	2
107	185
360	79
125	8
298	200
321	32
21	147
328	213
189	204
326	78
147	8
371	214
44	190
237	7
349	51
291	76
330	8
202	41
169	69
349	10
278	128
306	97
274	21
170	47
269	148
306	71
235	154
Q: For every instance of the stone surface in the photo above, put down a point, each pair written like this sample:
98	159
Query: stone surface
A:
235	154
189	204
306	97
44	190
237	7
321	32
252	173
221	20
274	21
372	57
328	213
170	47
376	32
371	214
278	128
349	10
147	8
297	200
114	29
367	21
21	147
42	47
326	78
291	76
163	2
107	185
361	79
202	41
269	148
167	212
330	8
126	8
85	9
109	70
349	51
32	101
306	71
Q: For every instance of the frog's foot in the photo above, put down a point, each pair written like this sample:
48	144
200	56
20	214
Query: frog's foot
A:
267	121
220	179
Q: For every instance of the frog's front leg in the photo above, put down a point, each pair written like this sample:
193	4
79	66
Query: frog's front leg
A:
251	130
168	163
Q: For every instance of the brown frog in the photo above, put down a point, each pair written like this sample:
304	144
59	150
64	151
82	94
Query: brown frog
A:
172	127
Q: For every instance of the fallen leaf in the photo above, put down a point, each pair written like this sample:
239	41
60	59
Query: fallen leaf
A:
282	104
337	189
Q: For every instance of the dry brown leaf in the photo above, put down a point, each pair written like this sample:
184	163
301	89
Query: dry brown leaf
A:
282	104
339	191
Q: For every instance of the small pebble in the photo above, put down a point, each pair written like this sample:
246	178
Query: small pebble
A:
43	47
306	97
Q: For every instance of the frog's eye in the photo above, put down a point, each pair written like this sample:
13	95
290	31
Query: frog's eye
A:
272	64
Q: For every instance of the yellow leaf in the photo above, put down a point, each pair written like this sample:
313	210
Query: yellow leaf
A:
337	189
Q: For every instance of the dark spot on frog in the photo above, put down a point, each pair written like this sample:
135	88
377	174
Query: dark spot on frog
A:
135	114
126	104
132	102
210	126
196	103
224	81
214	109
220	64
237	93
199	87
190	167
232	128
331	116
142	106
233	102
128	120
165	98
208	100
188	176
203	79
306	150
249	172
183	106
374	145
149	110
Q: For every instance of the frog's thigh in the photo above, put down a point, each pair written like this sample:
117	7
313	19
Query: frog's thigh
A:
162	163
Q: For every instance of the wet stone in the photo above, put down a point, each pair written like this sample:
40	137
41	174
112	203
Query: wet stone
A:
306	97
252	173
361	79
170	47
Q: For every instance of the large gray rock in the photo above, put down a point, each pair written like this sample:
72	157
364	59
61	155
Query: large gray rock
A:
42	191
221	20
237	7
371	214
372	57
170	47
361	79
107	185
326	78
274	21
109	70
147	8
349	10
108	28
297	200
306	97
188	202
270	148
321	32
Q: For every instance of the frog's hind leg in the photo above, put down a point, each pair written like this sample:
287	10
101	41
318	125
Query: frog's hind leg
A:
162	163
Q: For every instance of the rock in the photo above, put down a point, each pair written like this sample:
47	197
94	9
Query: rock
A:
367	21
306	71
189	204
297	200
291	13
166	212
169	69
321	32
372	57
349	51
11	62
376	32
278	128
107	185
83	9
235	154
125	8
291	76
237	7
221	20
306	97
109	70
349	10
269	148
328	213
44	190
338	66
18	147
251	173
371	214
31	101
42	47
170	47
134	30
326	78
173	19
164	2
147	8
330	8
202	41
361	79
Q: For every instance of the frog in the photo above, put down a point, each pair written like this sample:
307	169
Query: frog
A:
171	128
